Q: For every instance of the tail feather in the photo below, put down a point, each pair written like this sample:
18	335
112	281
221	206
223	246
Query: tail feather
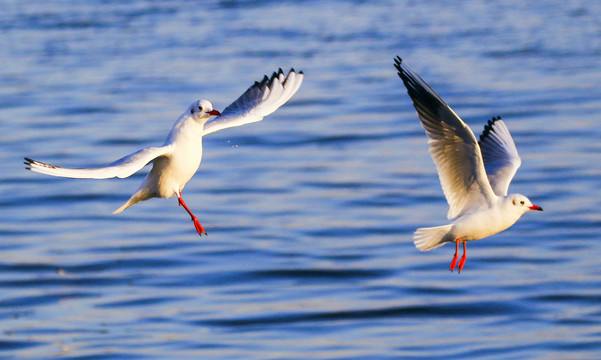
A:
430	238
139	196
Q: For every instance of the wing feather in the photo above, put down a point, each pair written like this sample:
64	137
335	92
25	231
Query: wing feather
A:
260	100
500	155
453	146
122	168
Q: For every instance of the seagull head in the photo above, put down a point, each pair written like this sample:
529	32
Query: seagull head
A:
202	110
523	204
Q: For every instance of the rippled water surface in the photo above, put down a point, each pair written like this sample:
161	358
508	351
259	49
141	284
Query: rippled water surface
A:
310	213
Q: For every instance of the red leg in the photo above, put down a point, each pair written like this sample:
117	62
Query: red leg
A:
462	261
197	225
452	267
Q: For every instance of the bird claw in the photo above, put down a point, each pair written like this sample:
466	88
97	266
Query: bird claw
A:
199	227
452	267
461	263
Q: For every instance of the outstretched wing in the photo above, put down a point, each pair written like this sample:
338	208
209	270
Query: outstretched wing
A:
258	101
501	158
453	146
122	168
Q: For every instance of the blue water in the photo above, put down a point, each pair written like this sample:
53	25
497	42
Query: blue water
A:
310	213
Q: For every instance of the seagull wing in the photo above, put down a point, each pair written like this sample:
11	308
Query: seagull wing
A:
122	168
258	101
501	158
453	146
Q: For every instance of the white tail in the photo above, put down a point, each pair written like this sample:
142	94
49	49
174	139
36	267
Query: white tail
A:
140	195
432	237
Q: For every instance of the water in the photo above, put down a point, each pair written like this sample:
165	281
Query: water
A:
310	213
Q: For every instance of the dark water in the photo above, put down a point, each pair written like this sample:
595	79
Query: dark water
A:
310	213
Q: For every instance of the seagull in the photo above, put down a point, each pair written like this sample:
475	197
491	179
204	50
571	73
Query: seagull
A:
474	174
178	159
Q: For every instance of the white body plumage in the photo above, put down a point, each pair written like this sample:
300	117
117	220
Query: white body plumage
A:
178	159
474	175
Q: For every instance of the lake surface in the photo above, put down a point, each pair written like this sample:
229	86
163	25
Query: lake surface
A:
310	213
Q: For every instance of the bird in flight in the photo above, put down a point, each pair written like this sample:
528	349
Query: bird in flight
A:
178	159
474	174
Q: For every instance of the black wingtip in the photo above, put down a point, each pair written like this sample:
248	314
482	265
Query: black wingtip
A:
419	91
402	73
397	63
294	71
488	128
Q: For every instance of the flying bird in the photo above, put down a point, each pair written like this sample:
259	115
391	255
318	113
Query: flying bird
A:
178	159
474	174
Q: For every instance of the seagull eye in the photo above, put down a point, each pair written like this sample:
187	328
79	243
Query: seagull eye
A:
200	107
522	202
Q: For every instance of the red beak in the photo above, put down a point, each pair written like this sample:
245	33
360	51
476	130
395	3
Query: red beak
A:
215	112
535	207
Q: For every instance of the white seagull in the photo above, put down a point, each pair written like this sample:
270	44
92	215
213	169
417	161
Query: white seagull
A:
474	175
178	159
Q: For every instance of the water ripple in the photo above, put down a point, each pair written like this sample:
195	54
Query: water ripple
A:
490	308
311	211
